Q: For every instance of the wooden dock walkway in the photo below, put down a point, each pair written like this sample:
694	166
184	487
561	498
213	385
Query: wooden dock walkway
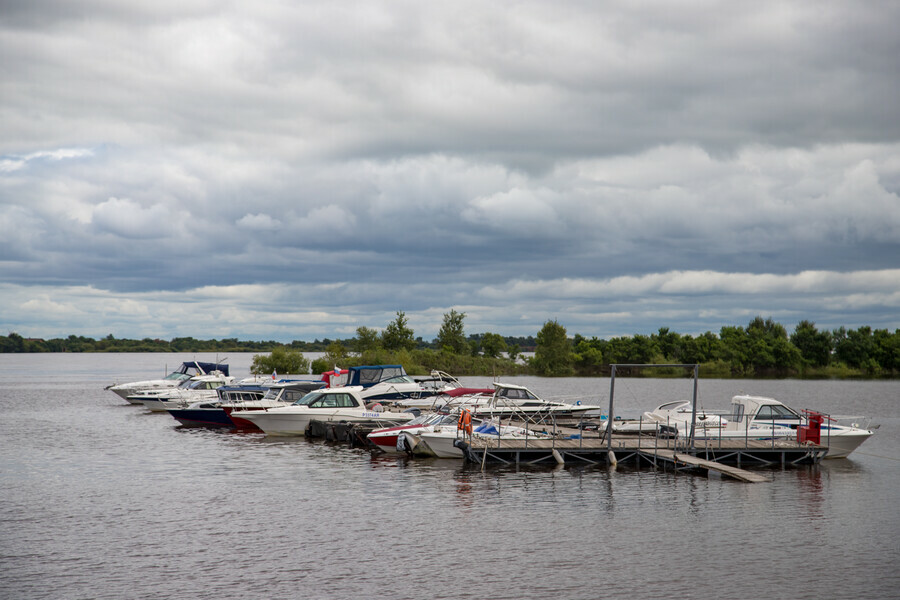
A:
709	465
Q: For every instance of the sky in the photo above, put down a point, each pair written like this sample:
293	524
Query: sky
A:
292	170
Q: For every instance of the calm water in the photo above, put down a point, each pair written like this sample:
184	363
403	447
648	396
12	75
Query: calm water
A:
99	499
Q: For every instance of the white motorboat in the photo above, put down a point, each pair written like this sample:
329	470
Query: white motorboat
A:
762	418
278	394
504	400
195	389
675	418
386	383
183	373
331	404
389	439
440	440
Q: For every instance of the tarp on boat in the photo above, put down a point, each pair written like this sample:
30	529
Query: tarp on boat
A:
190	368
369	375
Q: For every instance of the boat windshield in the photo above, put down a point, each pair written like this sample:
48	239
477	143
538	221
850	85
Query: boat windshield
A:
671	405
399	379
421	419
437	384
442	419
206	385
516	393
176	376
337	400
272	393
769	412
308	398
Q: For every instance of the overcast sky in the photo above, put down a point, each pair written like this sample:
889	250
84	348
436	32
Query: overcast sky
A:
294	170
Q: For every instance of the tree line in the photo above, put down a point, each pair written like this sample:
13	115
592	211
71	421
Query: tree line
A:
761	349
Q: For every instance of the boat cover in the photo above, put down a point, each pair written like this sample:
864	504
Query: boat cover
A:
368	376
206	367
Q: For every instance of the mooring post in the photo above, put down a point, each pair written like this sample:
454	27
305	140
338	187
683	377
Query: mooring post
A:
694	409
609	417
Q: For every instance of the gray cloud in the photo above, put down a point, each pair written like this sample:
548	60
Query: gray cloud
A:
293	171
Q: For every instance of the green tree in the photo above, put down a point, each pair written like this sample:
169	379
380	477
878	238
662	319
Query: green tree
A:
366	340
668	343
588	356
735	348
335	355
13	343
701	349
553	355
767	349
451	337
281	360
397	335
492	345
513	351
856	348
887	349
814	345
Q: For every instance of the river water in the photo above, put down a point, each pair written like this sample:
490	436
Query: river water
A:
100	499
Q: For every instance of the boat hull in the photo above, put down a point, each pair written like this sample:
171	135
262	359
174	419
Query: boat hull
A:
387	439
202	417
840	443
437	444
160	405
274	422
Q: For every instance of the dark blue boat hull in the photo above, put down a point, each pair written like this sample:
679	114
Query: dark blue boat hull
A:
202	417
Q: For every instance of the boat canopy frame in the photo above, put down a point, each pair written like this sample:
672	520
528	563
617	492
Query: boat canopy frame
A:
612	389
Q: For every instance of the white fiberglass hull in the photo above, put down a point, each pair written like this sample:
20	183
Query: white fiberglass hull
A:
840	441
437	443
165	402
130	389
441	442
161	405
293	422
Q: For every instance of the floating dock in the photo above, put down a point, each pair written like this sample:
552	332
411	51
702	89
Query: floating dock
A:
641	450
574	446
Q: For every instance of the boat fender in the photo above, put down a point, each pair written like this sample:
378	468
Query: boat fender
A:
578	403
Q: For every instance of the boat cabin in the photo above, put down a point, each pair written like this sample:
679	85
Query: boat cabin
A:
345	397
292	391
241	393
762	410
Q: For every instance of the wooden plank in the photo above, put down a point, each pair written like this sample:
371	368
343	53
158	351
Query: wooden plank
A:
713	466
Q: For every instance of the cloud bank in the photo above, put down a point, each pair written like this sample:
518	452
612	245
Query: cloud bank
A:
282	171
